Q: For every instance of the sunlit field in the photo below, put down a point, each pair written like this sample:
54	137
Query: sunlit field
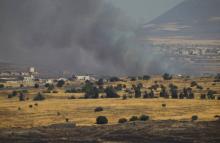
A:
57	108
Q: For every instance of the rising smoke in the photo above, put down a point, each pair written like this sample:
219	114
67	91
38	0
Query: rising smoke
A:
83	36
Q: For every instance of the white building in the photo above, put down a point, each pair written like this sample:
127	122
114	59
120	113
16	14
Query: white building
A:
87	77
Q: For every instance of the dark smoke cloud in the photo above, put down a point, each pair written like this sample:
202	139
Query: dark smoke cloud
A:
83	36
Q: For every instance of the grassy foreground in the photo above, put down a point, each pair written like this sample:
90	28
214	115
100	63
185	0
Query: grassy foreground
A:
81	111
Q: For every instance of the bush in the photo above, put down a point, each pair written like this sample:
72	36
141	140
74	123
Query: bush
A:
210	94
72	97
55	91
101	120
133	118
194	118
67	120
30	106
2	86
100	82
164	105
137	91
72	90
114	79
199	87
13	94
203	96
21	97
166	76
146	77
98	109
217	78
60	83
122	120
39	97
35	104
36	85
144	118
193	83
124	97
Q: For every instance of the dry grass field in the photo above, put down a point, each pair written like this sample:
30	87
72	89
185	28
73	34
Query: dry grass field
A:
57	107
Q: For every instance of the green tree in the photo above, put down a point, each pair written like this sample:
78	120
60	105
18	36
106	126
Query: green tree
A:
111	92
60	83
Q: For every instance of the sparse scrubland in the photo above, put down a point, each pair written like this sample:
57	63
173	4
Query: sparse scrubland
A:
145	100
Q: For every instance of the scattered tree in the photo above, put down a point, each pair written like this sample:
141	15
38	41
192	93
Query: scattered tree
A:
60	83
133	118
144	118
111	93
39	97
166	76
146	77
101	120
98	109
122	120
36	85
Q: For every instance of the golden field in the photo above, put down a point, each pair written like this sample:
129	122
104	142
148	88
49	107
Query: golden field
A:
81	111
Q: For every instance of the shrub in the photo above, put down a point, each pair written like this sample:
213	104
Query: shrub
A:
98	109
36	85
199	87
35	104
164	105
133	78
166	76
72	97
144	118
30	106
55	91
194	118
39	97
119	87
203	96
146	95
217	78
146	77
21	97
60	83
210	94
193	83
133	118
72	90
122	120
101	120
218	98
67	119
19	108
2	86
124	97
137	91
163	93
100	81
58	113
114	79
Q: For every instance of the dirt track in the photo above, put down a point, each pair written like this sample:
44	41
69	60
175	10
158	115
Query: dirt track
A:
148	132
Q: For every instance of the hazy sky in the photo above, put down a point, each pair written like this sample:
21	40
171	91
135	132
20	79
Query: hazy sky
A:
145	10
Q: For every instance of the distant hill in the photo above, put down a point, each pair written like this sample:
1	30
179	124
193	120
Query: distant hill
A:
198	19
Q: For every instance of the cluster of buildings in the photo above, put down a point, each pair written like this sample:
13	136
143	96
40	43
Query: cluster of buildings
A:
31	77
14	76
